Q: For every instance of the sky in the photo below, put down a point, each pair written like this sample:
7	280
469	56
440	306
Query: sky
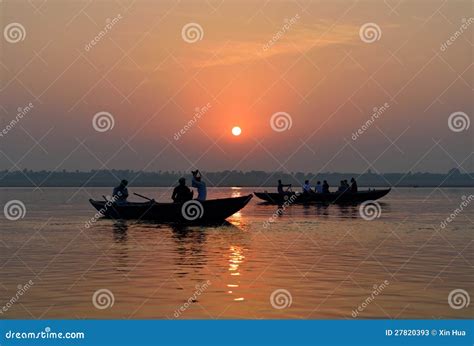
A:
320	86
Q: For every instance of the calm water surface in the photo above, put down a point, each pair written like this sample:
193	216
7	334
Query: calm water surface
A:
328	259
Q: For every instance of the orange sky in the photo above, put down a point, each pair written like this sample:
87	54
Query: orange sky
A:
318	71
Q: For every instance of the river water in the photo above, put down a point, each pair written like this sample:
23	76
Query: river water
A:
310	262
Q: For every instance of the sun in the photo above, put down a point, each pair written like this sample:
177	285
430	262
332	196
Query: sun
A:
236	131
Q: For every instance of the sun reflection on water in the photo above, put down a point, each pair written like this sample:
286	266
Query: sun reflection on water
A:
236	259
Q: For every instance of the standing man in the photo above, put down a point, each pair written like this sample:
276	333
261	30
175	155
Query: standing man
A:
200	185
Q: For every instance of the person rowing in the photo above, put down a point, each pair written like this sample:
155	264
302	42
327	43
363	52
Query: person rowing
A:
181	193
281	186
200	185
120	193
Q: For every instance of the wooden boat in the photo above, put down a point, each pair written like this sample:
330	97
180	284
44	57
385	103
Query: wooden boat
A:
327	198
192	211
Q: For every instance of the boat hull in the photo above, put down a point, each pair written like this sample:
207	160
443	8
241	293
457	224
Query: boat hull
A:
327	198
192	212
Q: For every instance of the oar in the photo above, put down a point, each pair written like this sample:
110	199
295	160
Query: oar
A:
144	197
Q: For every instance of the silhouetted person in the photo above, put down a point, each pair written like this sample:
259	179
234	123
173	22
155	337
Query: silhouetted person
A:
342	186
307	187
325	187
181	193
318	188
200	185
353	186
120	193
281	186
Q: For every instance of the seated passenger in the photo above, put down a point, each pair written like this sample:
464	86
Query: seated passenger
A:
319	187
181	193
120	193
307	187
353	186
325	187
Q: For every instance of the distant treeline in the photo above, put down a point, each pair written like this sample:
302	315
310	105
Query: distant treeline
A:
99	178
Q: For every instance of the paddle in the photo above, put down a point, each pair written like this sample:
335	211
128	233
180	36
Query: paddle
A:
144	197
